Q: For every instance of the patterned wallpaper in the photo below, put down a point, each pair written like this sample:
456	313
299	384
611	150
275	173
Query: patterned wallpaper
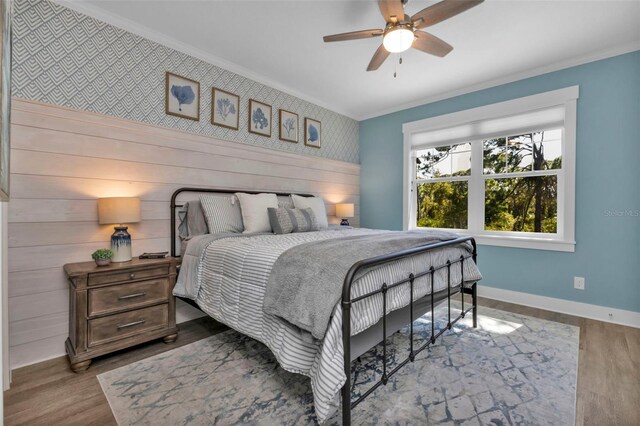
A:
66	58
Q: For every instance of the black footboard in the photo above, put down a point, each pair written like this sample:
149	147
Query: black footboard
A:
347	301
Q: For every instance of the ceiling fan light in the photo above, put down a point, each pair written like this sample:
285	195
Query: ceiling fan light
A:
398	39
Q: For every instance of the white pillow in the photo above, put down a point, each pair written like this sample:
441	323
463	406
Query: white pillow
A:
255	215
314	203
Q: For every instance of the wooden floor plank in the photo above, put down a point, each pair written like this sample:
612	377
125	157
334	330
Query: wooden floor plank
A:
608	389
50	393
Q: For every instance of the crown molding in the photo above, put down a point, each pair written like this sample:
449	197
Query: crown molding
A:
580	60
155	36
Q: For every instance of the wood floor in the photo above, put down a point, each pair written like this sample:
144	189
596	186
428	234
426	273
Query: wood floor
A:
608	376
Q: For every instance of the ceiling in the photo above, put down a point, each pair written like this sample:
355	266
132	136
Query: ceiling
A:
280	43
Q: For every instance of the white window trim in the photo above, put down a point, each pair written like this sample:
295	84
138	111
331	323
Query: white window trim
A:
564	240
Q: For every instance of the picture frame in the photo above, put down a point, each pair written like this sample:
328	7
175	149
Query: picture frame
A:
312	132
182	97
5	97
288	123
225	109
259	118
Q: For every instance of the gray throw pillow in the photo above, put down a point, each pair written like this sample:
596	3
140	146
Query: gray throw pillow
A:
315	203
286	221
285	201
192	220
222	213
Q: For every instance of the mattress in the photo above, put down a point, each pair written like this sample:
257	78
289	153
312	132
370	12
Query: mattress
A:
227	277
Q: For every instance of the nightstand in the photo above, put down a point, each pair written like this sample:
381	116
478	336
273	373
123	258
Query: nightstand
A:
117	306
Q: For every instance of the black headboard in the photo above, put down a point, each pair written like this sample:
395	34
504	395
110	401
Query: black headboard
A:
179	191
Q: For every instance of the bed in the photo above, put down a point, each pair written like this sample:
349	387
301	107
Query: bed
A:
273	289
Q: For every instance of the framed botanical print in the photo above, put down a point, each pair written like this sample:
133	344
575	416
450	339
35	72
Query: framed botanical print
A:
312	133
288	126
259	118
5	96
182	97
225	109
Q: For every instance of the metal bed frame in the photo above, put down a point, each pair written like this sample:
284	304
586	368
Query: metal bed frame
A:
348	301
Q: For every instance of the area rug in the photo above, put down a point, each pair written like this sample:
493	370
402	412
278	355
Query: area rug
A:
512	369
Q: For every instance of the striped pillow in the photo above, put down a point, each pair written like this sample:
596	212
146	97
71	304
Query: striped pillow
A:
286	221
222	213
285	201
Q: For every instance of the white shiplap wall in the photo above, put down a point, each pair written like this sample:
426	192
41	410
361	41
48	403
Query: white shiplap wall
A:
62	160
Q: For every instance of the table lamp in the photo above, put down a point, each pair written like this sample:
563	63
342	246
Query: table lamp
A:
344	211
119	210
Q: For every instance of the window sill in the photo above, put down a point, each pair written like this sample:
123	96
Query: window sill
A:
526	243
515	241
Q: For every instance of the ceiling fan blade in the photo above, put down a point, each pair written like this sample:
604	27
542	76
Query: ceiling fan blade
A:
431	44
392	10
353	35
442	11
378	58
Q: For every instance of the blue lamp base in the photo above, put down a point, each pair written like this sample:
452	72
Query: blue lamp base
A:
121	244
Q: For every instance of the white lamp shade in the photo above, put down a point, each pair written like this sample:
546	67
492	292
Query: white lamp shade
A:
118	210
344	210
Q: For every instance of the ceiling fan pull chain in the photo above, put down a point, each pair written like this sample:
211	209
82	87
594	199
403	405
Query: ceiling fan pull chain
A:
395	72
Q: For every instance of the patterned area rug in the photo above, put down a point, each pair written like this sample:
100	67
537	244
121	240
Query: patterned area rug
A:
512	369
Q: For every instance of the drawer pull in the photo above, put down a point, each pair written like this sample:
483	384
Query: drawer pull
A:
131	296
132	276
130	324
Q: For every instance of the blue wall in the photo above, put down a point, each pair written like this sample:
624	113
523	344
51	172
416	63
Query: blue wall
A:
607	179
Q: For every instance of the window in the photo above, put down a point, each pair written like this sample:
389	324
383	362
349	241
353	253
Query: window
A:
442	186
504	173
520	175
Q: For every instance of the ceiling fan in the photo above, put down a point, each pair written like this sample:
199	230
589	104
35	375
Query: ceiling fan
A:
402	31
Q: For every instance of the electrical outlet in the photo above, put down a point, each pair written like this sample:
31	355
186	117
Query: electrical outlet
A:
578	283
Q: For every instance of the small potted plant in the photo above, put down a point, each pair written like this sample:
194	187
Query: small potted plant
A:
102	257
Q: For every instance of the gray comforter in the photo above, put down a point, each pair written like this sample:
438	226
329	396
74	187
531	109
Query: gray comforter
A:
306	281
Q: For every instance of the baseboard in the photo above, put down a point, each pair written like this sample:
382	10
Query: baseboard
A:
585	310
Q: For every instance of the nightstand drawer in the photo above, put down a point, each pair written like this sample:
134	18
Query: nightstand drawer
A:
118	326
116	298
116	277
